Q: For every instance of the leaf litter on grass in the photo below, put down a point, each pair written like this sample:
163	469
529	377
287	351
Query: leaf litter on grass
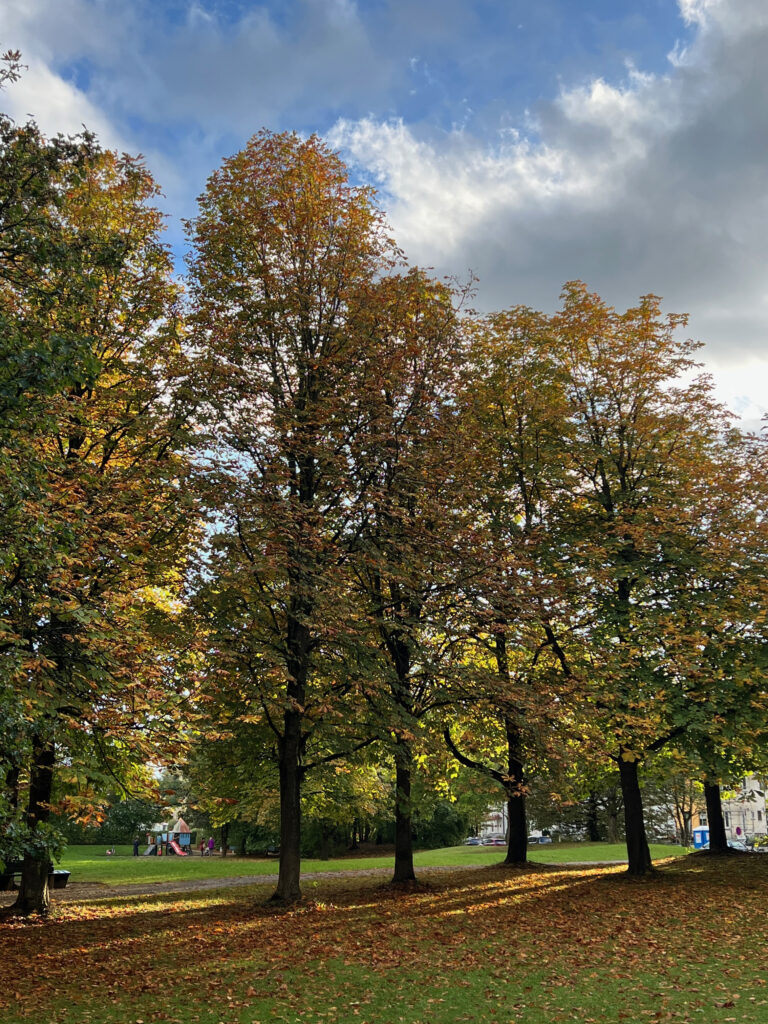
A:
546	942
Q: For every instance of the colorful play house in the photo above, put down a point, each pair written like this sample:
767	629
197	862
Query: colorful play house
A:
176	840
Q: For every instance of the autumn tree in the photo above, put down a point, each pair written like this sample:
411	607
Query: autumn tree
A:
285	255
101	512
517	410
647	453
725	607
406	573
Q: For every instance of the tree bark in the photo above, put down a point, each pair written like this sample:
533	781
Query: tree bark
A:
34	896
593	825
12	777
517	838
718	841
404	871
614	805
290	746
289	876
517	833
225	839
638	854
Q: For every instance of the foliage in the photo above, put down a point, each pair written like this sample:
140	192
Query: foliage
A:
123	820
539	536
91	464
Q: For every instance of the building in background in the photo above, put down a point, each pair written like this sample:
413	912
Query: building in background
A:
743	810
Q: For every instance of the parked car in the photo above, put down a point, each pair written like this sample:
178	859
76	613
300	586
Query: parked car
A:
545	839
733	844
738	844
473	841
494	841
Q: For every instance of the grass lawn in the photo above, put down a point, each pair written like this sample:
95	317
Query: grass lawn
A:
90	863
543	946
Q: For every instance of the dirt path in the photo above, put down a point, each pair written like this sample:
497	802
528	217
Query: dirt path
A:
79	892
86	892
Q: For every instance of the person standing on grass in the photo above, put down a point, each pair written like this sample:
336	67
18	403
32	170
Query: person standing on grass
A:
135	846
211	846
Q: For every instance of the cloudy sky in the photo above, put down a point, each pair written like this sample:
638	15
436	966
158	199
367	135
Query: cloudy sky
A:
530	142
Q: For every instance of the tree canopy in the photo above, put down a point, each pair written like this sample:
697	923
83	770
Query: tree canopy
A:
317	527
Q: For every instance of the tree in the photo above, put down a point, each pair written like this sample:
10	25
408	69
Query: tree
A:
517	408
89	612
286	253
648	449
404	563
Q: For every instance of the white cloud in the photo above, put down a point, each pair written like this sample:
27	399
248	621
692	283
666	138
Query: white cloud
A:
659	184
655	184
58	106
69	29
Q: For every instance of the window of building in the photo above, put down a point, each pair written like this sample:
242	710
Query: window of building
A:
702	819
727	819
759	815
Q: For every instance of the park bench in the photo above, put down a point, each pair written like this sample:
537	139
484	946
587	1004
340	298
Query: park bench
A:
10	876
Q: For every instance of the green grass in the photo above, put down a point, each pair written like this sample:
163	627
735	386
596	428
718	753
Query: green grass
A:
542	946
90	863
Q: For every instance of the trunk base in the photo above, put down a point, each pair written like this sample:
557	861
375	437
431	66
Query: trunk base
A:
277	900
403	877
640	872
412	885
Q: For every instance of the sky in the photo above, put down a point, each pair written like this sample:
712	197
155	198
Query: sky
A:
525	142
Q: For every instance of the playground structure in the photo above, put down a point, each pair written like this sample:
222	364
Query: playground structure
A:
176	840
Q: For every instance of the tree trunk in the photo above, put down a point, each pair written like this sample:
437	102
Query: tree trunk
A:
593	825
718	841
517	835
34	897
638	854
225	839
517	839
289	877
403	835
12	786
613	806
290	744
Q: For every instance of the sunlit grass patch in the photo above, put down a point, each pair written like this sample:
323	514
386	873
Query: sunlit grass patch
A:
91	864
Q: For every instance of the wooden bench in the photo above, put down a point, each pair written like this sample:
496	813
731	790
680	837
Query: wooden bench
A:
10	877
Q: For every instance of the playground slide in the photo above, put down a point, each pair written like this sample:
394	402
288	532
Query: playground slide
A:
177	849
149	850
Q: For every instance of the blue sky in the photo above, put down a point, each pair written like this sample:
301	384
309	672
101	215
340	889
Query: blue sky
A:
623	142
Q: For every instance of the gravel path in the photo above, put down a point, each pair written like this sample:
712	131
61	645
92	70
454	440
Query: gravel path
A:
85	892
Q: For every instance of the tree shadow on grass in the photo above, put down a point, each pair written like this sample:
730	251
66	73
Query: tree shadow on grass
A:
135	948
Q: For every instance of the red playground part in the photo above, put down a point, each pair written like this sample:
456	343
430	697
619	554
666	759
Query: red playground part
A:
177	849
